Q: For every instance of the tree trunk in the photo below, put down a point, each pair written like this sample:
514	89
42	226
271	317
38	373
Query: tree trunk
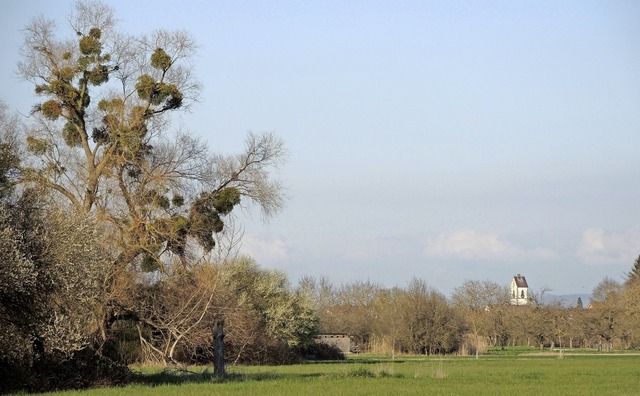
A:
218	348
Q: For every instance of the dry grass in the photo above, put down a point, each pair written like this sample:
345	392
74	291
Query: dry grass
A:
439	372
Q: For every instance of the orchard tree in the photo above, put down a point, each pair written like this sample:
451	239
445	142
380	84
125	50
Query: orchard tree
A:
478	300
102	138
355	311
430	325
479	295
605	289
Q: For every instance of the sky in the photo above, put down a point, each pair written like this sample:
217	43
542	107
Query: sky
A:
442	140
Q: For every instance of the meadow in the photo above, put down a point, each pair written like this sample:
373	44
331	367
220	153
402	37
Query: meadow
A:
505	373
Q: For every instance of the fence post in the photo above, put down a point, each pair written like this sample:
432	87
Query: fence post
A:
218	348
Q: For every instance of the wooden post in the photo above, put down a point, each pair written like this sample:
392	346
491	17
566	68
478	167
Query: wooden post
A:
218	348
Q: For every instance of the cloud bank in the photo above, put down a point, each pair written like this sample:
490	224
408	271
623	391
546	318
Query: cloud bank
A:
264	251
609	248
473	245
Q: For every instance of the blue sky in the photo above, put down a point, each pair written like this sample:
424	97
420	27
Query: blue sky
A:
444	140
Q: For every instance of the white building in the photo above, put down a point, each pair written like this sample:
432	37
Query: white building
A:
519	290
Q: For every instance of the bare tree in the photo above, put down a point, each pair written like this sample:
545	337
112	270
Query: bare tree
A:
101	138
479	300
175	309
480	295
607	288
101	142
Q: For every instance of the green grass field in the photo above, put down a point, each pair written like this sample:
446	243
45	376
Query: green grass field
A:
495	374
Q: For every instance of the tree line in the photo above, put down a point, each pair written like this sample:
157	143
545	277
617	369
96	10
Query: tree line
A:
417	319
118	241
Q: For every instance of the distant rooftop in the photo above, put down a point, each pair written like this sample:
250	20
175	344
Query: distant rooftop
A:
520	280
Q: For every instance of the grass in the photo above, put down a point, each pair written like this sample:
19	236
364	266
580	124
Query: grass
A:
492	374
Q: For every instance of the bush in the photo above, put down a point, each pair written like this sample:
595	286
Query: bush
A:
322	351
51	274
56	372
123	343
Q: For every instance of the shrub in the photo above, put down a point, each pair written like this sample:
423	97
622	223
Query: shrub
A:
322	351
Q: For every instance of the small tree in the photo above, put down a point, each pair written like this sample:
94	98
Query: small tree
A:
605	289
476	300
479	295
355	311
177	310
285	314
430	325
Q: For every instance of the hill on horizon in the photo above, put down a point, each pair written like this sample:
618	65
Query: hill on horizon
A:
567	300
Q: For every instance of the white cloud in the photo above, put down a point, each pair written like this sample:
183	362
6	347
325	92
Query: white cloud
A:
472	245
264	251
616	248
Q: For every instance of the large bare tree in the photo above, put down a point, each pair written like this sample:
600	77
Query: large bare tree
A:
102	140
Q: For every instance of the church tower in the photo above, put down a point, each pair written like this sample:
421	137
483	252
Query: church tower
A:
519	290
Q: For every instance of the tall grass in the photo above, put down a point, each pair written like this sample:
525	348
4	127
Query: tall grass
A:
439	372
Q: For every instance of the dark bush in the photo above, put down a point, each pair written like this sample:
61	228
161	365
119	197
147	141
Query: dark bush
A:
123	344
321	351
52	372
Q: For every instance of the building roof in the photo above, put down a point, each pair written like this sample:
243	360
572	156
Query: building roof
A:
520	281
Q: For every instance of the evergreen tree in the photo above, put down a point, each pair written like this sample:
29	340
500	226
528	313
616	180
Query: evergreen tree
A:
634	274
